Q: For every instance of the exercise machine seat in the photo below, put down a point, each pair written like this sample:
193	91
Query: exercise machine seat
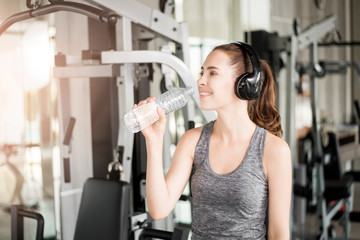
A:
332	169
355	215
104	210
337	184
355	175
338	189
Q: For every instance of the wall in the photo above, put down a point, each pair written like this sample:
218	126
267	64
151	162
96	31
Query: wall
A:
227	19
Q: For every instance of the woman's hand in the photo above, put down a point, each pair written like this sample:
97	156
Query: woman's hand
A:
155	131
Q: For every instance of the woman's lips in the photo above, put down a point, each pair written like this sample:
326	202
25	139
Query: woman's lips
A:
204	94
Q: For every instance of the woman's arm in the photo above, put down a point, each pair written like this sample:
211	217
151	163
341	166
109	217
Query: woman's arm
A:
162	193
278	168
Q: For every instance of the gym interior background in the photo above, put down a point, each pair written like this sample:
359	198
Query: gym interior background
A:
60	106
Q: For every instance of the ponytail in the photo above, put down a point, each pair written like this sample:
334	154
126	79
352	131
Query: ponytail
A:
263	111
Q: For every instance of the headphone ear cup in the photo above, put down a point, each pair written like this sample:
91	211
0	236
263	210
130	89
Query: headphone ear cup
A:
241	86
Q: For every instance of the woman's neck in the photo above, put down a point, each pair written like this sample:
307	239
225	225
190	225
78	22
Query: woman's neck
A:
234	125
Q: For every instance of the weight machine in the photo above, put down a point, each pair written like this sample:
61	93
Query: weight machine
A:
120	68
332	189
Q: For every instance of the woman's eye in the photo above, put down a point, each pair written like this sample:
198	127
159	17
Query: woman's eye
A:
212	73
201	73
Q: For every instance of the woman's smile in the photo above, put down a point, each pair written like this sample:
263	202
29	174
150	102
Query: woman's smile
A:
204	94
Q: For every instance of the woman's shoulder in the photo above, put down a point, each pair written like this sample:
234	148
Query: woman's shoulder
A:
275	143
276	150
192	134
189	140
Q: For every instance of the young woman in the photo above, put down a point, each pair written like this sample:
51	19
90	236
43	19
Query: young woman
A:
240	167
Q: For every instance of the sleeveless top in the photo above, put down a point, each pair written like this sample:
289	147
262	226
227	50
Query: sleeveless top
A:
234	205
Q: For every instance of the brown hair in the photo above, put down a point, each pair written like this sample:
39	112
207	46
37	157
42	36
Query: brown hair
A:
262	111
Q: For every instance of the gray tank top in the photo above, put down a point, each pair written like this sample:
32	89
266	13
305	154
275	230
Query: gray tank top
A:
233	205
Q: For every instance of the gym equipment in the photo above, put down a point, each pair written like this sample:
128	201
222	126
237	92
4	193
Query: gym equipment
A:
270	45
103	214
333	171
146	23
66	144
137	25
307	39
338	190
248	85
115	168
357	107
327	190
87	10
17	222
178	234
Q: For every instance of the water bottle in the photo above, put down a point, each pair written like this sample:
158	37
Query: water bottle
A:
146	114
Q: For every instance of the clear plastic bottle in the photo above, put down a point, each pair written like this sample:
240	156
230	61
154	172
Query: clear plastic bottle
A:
145	115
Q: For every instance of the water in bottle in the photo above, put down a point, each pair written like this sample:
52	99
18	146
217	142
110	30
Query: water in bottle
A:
146	114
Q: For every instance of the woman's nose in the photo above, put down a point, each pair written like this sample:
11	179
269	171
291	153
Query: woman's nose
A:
201	81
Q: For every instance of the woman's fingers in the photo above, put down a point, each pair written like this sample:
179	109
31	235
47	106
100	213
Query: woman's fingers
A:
150	99
135	106
161	114
142	102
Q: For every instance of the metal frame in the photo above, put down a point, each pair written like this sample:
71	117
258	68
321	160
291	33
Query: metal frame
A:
17	222
306	39
55	7
148	17
296	43
156	21
124	72
91	71
125	85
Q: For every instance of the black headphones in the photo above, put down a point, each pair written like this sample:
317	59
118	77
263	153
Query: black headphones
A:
248	85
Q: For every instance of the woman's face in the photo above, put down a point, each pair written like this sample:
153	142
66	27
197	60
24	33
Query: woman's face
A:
216	83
